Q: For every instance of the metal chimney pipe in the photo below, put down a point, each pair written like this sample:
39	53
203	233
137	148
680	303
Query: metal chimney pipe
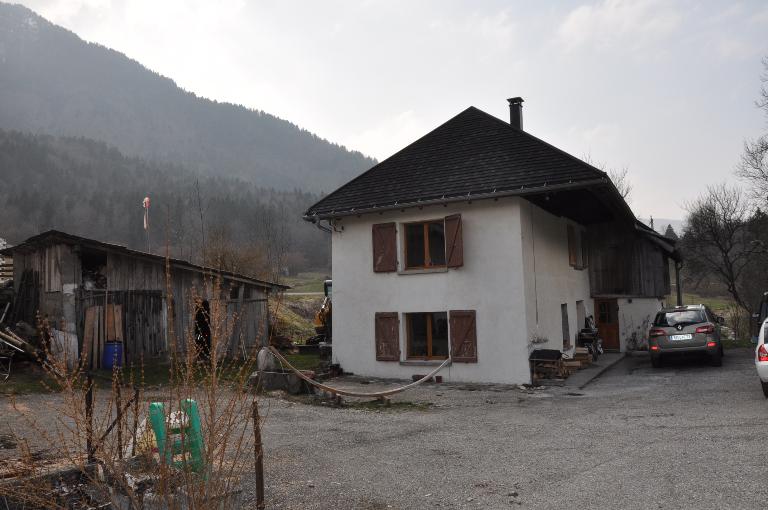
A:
516	112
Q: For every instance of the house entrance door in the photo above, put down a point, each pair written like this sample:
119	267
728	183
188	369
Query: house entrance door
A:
607	311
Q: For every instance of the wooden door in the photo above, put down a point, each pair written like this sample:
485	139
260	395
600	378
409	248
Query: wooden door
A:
607	312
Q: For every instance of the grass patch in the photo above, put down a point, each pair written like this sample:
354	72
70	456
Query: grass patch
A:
717	304
738	343
293	319
26	379
306	282
304	361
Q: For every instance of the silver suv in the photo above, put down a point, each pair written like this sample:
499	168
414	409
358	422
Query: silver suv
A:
686	329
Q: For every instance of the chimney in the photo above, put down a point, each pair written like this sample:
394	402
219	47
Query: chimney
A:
516	112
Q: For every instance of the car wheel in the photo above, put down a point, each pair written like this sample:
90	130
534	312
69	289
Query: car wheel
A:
656	361
765	388
716	360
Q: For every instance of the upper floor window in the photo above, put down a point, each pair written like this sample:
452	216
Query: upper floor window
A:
578	252
425	244
435	243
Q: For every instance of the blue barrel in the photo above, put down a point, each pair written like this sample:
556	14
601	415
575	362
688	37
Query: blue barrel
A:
113	355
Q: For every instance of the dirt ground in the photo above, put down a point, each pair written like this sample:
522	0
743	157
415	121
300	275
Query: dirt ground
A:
684	436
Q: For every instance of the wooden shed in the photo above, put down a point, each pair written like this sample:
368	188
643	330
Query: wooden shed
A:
101	292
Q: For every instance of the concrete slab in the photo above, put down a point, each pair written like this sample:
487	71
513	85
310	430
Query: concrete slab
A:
585	376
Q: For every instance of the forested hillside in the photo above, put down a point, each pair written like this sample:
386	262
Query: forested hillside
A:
88	188
53	82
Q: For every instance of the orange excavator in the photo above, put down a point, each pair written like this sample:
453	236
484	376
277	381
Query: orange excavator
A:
322	321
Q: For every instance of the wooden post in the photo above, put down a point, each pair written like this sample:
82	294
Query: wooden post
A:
258	451
89	417
119	405
678	266
135	419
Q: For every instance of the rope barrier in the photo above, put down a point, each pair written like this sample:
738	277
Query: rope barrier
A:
346	393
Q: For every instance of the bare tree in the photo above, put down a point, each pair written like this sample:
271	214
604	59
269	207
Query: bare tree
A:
621	181
619	177
718	241
754	162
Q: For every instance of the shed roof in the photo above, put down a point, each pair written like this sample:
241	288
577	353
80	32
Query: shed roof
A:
474	155
57	237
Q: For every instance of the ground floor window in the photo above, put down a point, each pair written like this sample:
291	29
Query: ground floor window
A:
427	335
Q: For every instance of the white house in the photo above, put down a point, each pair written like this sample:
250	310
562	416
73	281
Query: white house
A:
485	240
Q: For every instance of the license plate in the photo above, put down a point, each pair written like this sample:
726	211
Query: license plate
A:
680	337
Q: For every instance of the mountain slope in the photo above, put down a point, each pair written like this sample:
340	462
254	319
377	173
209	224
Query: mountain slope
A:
53	82
87	188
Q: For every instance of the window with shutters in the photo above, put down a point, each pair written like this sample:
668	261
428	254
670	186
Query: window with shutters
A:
433	244
566	327
384	247
387	336
425	244
427	335
577	248
463	326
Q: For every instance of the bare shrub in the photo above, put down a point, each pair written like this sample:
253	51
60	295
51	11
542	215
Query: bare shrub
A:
110	456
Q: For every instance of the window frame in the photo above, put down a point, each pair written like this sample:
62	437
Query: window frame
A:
578	248
427	258
409	335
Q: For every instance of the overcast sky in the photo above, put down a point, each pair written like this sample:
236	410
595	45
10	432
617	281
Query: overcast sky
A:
664	88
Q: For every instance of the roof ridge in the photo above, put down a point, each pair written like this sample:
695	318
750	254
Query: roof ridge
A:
350	182
536	138
467	154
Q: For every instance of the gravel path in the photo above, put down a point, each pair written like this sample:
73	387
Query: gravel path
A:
685	436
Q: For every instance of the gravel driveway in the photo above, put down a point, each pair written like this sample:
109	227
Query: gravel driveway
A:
685	436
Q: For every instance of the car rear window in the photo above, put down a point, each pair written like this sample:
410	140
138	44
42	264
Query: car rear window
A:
669	319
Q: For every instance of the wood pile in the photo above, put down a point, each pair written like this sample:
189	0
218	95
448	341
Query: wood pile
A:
582	356
560	368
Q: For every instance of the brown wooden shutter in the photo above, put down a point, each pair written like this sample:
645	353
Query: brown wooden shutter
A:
463	336
454	245
384	247
572	257
387	336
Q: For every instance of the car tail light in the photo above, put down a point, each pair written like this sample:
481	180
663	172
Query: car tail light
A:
654	347
656	332
711	344
709	328
762	353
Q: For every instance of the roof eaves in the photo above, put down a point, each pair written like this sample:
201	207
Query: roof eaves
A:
459	198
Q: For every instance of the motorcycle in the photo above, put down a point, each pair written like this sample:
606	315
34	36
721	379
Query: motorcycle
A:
589	337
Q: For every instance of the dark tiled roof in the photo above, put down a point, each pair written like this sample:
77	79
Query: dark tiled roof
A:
472	155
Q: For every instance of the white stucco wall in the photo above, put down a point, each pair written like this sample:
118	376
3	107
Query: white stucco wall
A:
515	261
550	280
490	282
635	318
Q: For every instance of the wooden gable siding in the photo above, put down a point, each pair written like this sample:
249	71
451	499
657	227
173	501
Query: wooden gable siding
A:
132	273
55	265
625	264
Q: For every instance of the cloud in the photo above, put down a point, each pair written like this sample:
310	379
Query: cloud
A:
613	22
760	17
389	136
